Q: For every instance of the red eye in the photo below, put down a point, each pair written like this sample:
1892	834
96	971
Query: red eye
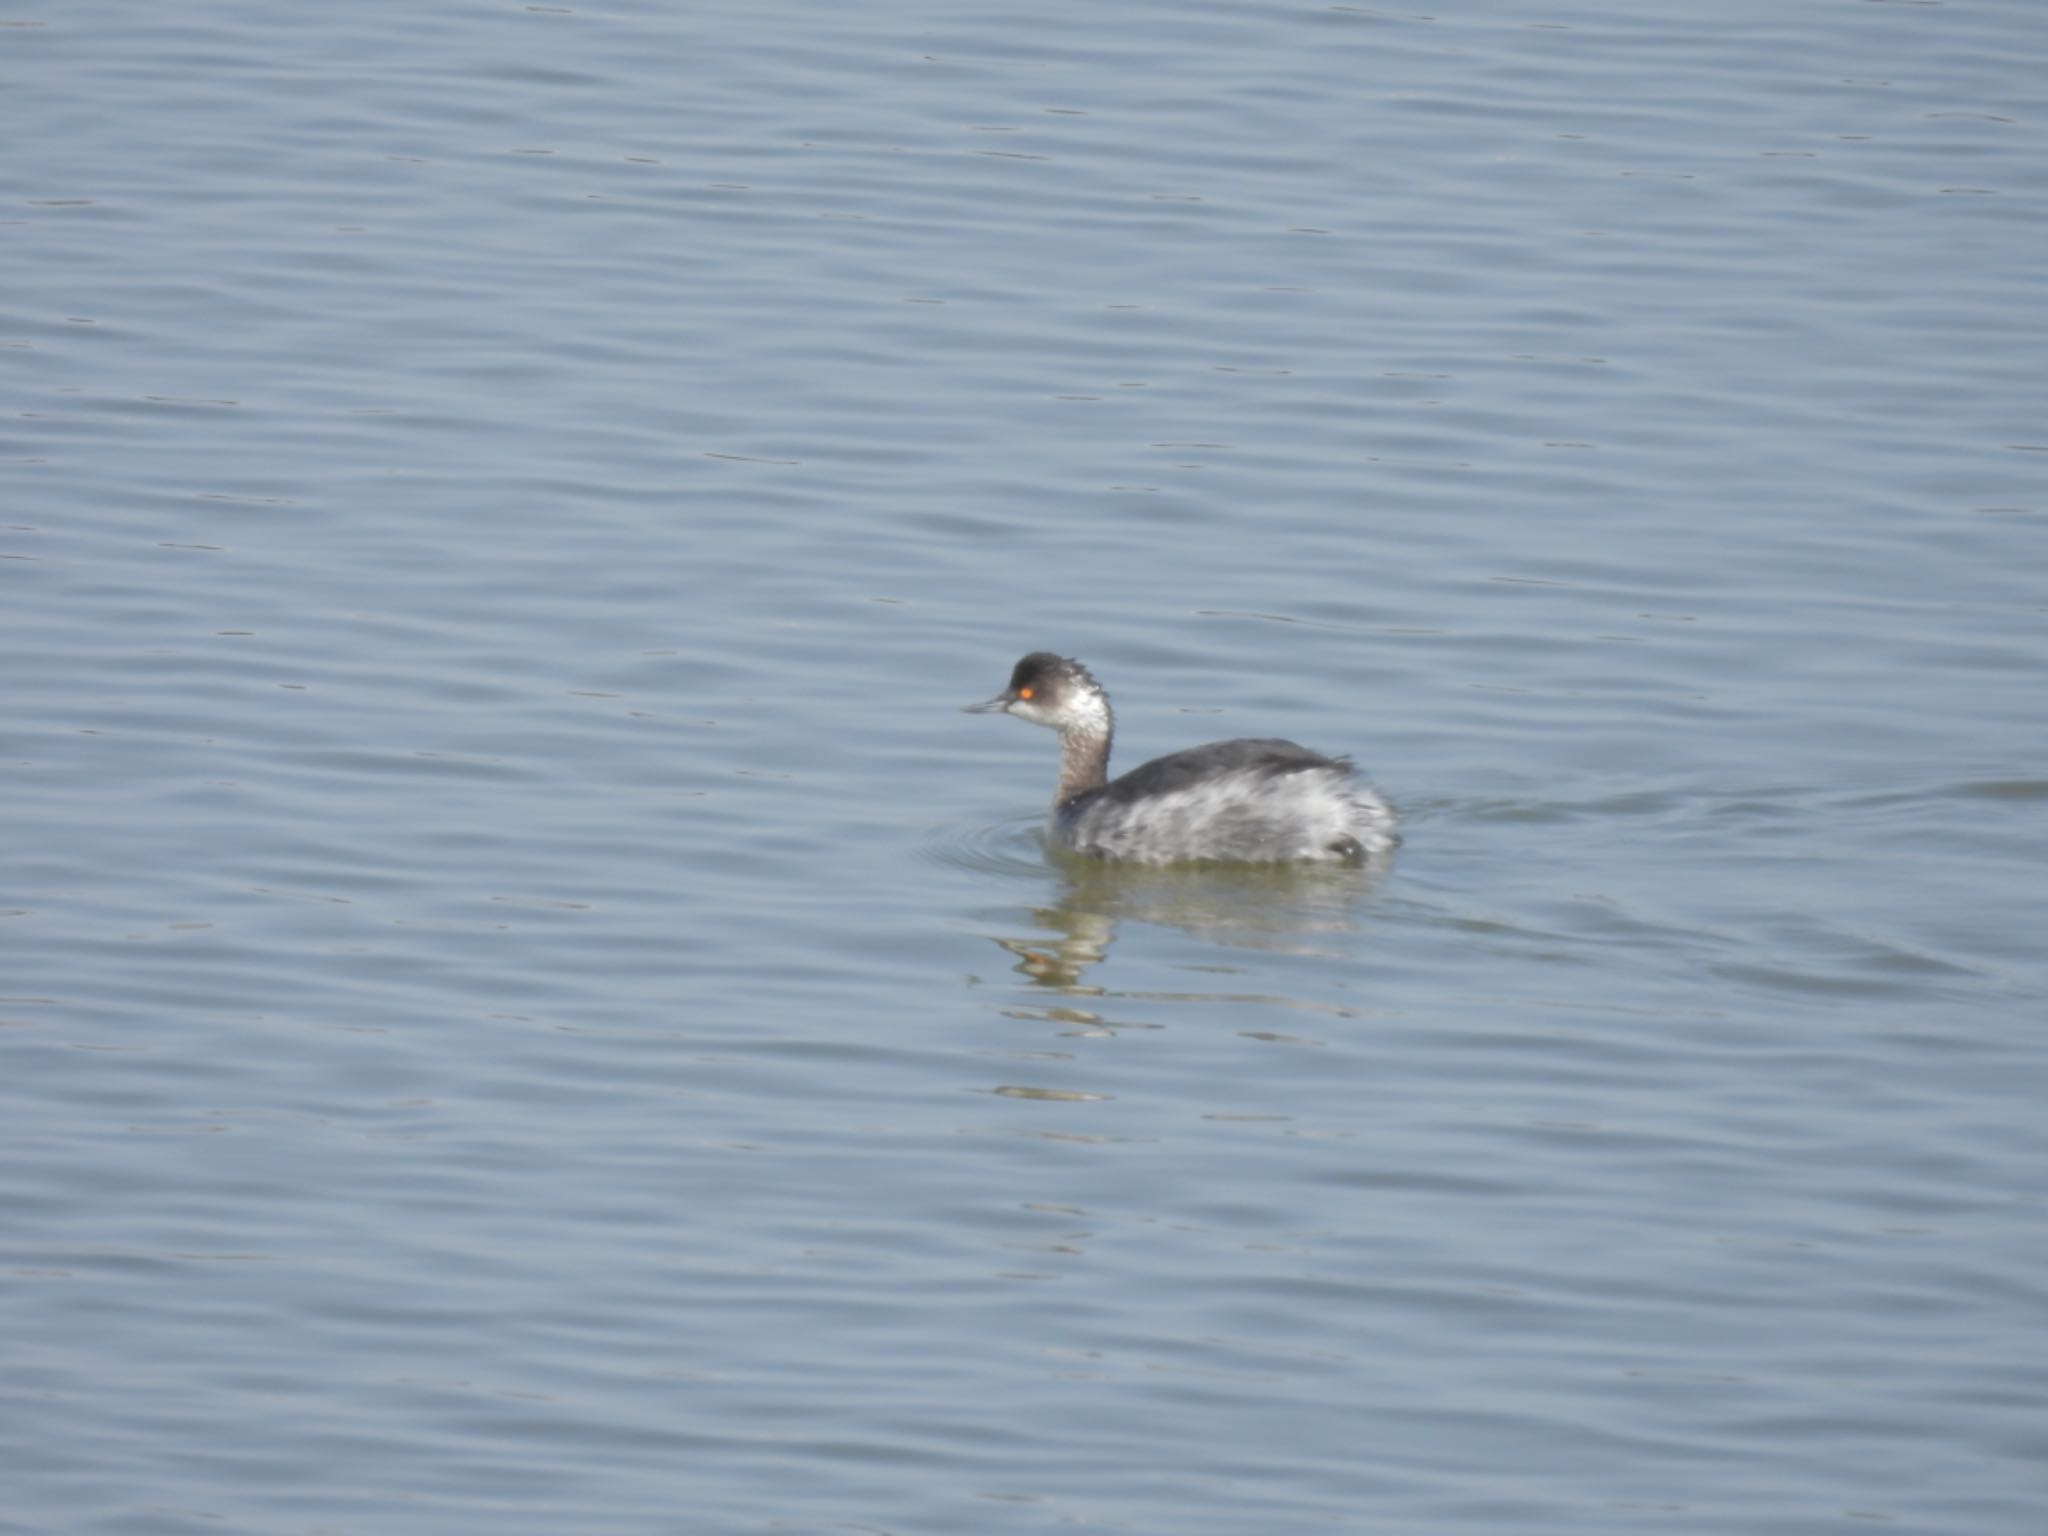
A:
1025	693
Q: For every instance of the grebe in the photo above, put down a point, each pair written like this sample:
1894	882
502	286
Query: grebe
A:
1250	801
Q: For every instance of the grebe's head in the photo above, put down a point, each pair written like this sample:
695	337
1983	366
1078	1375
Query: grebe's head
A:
1054	691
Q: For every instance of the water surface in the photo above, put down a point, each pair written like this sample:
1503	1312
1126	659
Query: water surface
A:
528	1009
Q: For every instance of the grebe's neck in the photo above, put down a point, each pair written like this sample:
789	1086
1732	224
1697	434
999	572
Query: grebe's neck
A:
1084	761
1084	745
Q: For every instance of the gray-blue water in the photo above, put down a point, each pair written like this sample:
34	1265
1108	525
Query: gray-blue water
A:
529	1011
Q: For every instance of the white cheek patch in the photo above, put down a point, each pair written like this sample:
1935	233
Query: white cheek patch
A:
1088	713
1030	709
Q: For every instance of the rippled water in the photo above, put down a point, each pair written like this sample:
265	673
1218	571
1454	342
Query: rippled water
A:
527	1008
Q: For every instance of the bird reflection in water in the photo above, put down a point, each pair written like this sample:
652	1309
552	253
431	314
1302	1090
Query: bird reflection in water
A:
1284	908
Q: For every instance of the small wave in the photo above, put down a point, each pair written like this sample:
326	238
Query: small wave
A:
1010	848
